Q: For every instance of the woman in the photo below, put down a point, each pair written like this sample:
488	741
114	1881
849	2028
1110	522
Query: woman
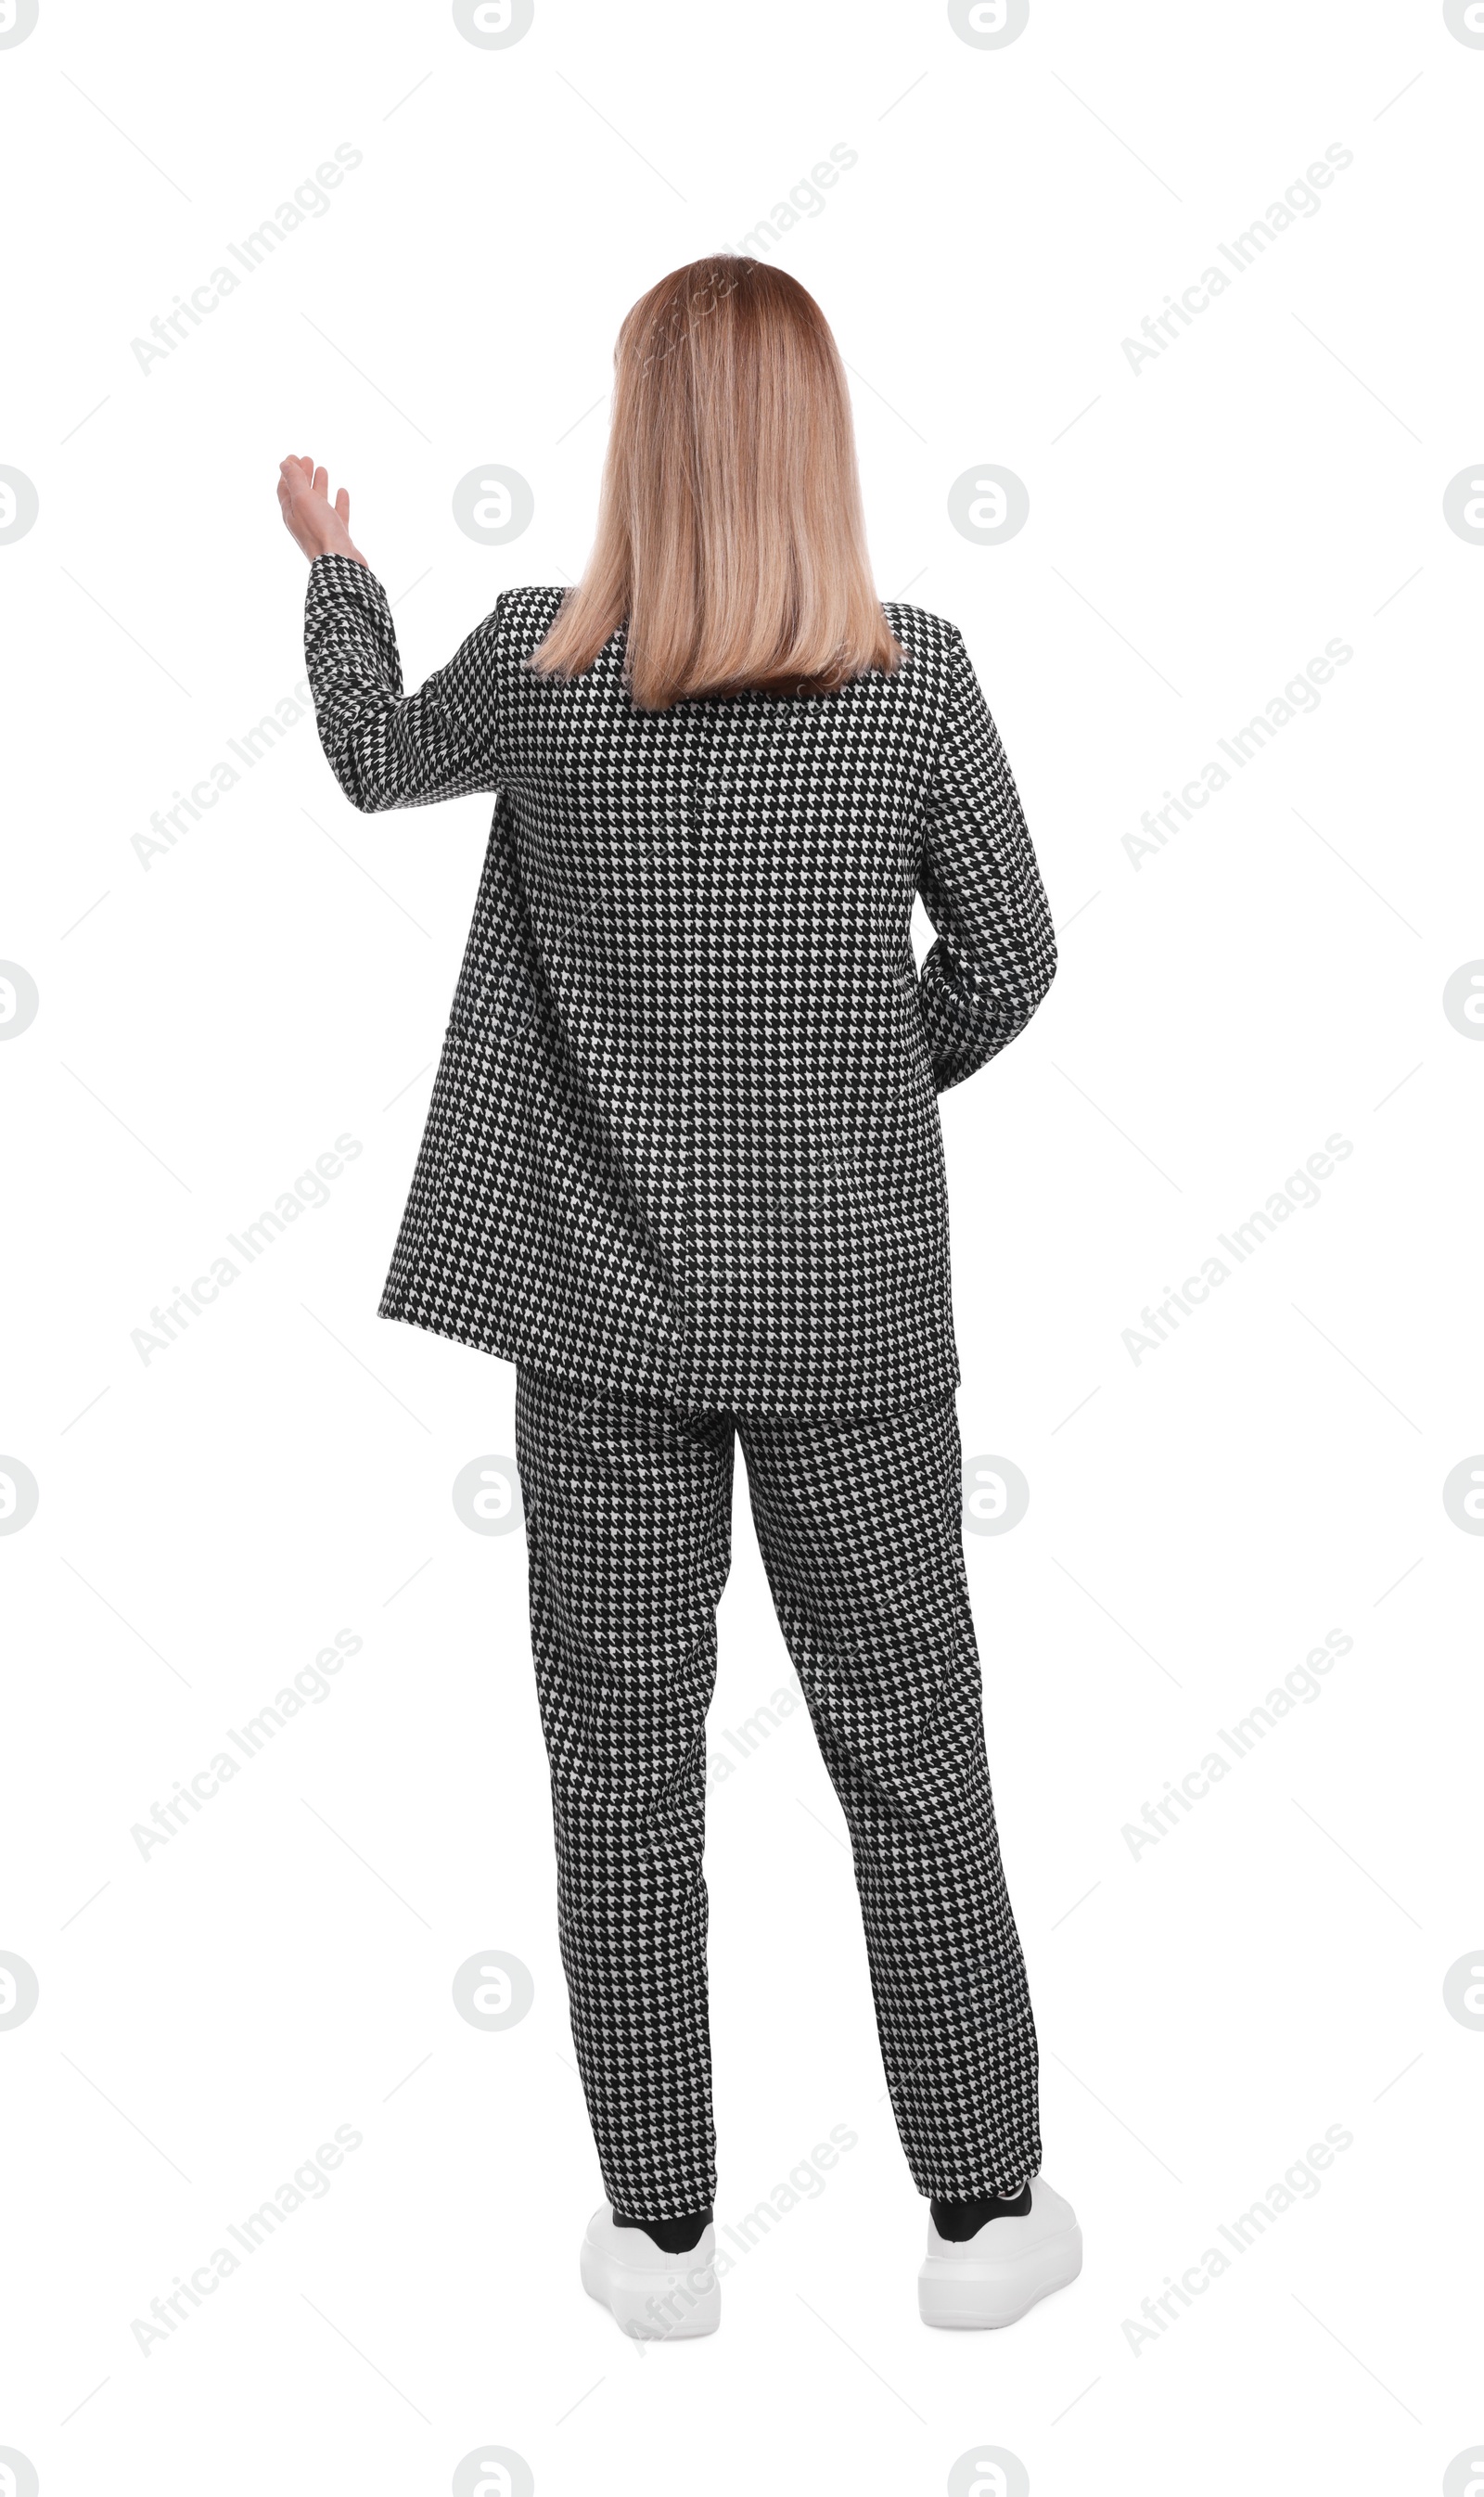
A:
683	1166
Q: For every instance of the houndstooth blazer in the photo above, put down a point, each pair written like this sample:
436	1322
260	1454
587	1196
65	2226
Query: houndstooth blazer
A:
684	1138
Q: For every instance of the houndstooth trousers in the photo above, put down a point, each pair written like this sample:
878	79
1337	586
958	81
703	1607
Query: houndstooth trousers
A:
628	1509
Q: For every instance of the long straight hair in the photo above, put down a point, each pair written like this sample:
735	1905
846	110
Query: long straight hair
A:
730	538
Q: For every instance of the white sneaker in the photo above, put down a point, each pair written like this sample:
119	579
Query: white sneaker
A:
998	2275
651	2295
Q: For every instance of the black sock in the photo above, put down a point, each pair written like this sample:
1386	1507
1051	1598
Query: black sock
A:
672	2236
956	2221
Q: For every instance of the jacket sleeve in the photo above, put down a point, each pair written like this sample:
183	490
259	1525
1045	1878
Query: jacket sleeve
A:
385	747
994	955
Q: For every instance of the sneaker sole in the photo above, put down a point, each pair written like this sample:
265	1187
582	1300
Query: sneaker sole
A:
960	2295
689	2302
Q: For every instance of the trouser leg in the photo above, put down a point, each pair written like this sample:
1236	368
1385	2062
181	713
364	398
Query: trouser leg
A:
860	1524
628	1514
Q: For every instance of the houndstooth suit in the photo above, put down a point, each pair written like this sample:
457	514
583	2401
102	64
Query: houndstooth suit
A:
684	1135
684	1164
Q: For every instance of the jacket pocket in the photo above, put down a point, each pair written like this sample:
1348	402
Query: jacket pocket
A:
881	1191
889	1167
844	1172
488	1005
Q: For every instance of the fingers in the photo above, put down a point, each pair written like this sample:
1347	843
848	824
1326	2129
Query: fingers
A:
299	469
302	484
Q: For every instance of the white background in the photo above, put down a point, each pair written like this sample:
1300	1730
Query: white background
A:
211	1021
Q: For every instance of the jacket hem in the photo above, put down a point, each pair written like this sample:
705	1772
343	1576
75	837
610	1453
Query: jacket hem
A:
654	1390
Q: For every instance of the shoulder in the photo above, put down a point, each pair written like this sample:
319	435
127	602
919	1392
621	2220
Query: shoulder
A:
935	654
930	676
917	628
522	618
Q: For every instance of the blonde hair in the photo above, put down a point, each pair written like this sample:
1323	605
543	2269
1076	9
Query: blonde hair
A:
730	537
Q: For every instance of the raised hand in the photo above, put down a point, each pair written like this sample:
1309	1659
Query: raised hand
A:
313	522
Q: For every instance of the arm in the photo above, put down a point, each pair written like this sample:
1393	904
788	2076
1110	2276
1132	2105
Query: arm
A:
385	747
994	955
